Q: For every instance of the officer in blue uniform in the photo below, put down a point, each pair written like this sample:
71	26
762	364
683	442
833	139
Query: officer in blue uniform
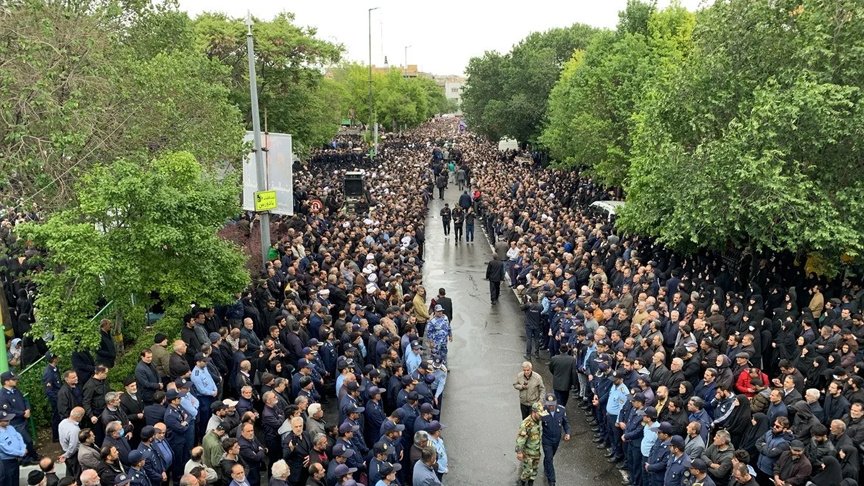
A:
555	427
678	464
632	437
13	403
51	385
178	428
136	469
655	465
12	449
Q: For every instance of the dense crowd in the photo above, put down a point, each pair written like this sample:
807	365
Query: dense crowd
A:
329	370
687	370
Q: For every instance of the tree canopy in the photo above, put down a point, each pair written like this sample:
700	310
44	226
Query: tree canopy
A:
135	230
754	139
506	94
400	101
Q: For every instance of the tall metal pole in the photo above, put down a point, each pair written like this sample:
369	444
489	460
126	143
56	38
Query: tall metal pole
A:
260	172
372	119
406	60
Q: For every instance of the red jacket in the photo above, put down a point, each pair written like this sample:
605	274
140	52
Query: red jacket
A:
742	384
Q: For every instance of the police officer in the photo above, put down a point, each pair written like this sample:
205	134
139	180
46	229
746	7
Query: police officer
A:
51	384
634	431
136	469
12	449
13	403
655	465
678	464
698	474
528	444
555	427
178	426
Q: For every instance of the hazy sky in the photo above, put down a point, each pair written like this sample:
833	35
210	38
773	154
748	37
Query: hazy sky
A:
443	34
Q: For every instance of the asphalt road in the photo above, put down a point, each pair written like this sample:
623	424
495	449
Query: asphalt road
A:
480	406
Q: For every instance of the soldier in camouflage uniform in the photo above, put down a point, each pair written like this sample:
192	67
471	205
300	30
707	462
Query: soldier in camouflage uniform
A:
528	444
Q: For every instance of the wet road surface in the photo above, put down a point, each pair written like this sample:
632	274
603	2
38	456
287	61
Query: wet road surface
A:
480	406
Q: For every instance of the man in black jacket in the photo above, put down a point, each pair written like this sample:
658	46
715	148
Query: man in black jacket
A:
495	275
147	377
69	396
107	352
561	367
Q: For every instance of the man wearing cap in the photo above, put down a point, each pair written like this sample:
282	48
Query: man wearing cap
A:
374	414
656	461
51	385
12	450
136	470
698	474
13	402
678	463
435	440
387	474
439	332
632	435
793	467
618	396
341	454
154	467
180	432
528	444
555	427
204	389
357	439
380	453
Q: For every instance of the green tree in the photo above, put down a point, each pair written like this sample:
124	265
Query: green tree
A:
135	229
754	139
84	82
289	63
506	95
591	107
399	101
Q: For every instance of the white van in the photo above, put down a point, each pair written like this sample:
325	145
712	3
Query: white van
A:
607	209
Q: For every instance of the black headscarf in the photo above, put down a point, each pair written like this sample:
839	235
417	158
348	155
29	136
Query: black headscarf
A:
739	421
831	473
754	432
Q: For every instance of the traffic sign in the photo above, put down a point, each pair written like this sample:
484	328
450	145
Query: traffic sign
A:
316	205
265	200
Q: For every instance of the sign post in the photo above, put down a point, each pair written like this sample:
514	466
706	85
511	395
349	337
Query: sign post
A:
264	217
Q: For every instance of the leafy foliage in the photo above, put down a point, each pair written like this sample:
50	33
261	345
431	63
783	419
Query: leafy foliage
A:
135	229
289	66
591	107
84	82
755	139
400	102
506	94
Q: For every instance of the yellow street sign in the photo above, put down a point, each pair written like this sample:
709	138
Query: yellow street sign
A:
265	200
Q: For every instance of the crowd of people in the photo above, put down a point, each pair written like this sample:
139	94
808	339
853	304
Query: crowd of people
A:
329	370
687	370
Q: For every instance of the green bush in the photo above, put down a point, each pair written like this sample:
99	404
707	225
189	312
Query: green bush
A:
169	325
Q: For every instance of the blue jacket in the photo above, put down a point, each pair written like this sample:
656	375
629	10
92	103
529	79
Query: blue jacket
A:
770	446
675	469
659	457
634	431
555	426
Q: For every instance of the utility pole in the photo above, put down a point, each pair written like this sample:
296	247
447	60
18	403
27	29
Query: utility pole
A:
372	117
405	73
263	216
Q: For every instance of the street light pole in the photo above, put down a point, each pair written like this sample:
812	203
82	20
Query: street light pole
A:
372	118
263	216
